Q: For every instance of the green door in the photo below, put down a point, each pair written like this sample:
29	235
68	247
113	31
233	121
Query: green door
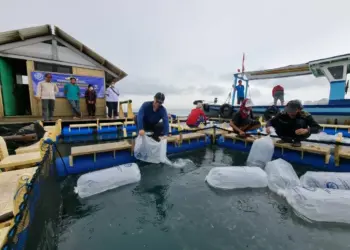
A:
7	86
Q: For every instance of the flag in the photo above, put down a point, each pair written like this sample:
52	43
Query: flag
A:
243	63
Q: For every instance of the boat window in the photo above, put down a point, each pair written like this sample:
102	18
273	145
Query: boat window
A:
318	72
337	71
47	67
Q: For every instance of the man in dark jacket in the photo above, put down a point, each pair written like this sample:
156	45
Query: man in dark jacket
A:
293	124
149	116
271	112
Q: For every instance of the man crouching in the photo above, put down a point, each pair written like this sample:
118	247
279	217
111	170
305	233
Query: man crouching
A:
293	124
243	120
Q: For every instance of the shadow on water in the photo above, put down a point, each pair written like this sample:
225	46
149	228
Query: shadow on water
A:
73	208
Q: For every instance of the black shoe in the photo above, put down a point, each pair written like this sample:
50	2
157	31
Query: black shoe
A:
296	144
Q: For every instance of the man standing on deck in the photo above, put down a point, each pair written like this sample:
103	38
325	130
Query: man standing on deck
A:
46	91
293	124
240	92
150	114
72	92
278	94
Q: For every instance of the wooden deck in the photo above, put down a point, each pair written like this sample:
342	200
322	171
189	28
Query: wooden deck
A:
326	151
98	148
189	136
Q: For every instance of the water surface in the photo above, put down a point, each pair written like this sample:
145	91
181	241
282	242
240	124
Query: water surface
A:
175	209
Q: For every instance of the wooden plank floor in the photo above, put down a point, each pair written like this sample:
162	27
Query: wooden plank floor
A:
68	119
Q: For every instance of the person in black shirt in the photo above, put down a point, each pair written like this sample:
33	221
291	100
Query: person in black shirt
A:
271	112
90	98
243	120
293	124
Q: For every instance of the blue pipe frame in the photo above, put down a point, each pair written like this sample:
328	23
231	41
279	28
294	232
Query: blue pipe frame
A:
237	77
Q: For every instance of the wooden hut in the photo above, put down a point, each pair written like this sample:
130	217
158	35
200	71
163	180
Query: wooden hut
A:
27	54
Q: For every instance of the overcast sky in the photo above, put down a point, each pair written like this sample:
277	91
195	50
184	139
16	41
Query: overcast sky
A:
189	49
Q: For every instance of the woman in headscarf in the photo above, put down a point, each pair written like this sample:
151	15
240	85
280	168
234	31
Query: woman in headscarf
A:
196	116
90	98
243	120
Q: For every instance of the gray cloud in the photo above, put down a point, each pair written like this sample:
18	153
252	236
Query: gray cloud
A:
292	83
255	92
149	86
172	46
213	90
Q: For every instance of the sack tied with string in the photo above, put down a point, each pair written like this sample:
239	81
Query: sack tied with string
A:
261	152
148	150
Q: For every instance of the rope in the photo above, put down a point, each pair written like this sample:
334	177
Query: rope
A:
306	140
10	240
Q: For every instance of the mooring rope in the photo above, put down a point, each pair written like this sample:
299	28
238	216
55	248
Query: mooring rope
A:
306	140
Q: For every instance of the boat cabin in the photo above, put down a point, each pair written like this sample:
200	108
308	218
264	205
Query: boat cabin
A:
335	69
27	54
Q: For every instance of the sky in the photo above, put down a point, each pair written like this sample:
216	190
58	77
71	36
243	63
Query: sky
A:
190	49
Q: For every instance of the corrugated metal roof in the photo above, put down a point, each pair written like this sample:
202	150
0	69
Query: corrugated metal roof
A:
288	71
89	52
23	34
45	30
293	70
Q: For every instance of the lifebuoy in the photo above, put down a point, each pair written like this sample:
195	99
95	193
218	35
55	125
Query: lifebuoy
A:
226	111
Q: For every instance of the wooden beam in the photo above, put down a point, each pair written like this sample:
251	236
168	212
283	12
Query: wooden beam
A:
24	43
87	57
35	106
21	35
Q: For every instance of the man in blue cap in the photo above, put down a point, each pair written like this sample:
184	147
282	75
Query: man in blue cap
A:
150	114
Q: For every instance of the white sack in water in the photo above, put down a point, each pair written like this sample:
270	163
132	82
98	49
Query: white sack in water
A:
281	176
323	205
326	180
148	150
102	180
236	177
261	152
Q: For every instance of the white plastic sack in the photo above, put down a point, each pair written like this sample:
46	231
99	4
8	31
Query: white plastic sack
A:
236	177
326	180
261	152
148	150
102	180
324	205
281	176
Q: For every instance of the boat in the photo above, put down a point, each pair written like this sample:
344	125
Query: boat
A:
334	69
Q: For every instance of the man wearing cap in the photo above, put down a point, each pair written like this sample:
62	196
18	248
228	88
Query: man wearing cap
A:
293	124
240	92
72	93
150	114
243	120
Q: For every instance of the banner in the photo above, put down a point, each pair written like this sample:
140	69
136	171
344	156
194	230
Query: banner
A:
63	79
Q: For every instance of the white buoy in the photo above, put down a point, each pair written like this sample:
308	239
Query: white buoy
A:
102	180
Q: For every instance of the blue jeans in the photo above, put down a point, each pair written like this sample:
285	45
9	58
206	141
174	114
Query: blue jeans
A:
75	104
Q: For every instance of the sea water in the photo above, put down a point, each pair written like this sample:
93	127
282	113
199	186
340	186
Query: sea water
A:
173	209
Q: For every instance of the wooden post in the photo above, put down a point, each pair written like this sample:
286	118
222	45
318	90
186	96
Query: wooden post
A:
35	105
130	114
337	149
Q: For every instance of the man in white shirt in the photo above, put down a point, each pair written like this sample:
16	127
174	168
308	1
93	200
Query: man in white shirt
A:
112	97
46	91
